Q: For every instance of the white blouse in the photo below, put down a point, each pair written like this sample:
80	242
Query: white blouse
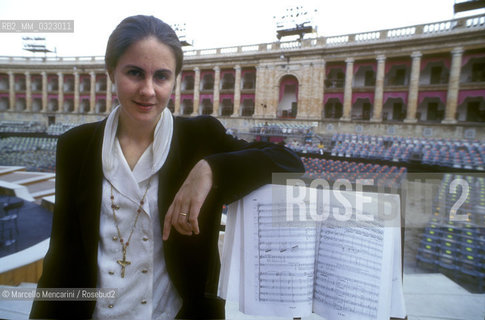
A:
146	291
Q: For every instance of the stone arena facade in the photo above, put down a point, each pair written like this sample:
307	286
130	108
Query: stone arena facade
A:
422	80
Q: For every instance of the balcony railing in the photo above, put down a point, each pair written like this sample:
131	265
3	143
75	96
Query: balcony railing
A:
456	26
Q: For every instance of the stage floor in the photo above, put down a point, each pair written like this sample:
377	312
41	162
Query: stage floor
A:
34	224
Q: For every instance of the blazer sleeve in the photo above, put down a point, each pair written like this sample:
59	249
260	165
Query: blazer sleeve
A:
65	255
238	167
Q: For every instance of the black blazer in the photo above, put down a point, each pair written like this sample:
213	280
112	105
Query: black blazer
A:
192	262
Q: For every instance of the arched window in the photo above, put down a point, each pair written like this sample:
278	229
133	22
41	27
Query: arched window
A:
20	82
85	84
473	70
227	81
247	108
36	83
333	109
431	109
207	82
68	83
187	106
362	109
397	76
248	81
434	73
52	83
20	104
335	78
206	106
53	105
85	106
187	83
365	77
227	107
36	104
100	83
4	85
101	105
394	109
3	103
288	97
68	105
472	109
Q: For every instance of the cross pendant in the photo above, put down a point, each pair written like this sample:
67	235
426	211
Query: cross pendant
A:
123	263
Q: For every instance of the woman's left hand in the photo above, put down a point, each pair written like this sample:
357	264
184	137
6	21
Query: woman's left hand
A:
184	211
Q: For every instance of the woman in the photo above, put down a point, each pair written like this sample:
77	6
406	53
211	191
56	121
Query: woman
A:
140	176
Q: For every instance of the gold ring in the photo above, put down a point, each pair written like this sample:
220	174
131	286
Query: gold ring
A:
183	214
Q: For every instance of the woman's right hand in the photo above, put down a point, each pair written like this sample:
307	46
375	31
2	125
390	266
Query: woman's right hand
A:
184	211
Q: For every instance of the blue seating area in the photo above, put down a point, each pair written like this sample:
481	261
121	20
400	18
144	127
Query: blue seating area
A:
306	148
35	127
34	153
331	170
443	152
357	150
59	128
455	153
21	126
456	248
281	128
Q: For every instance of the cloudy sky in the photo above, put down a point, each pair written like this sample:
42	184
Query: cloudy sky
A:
210	23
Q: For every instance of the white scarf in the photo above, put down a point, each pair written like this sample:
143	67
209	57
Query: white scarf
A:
160	147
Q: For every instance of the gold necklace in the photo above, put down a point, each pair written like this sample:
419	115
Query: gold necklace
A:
124	245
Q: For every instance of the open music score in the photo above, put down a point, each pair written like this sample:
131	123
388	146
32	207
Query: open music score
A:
338	271
350	268
285	264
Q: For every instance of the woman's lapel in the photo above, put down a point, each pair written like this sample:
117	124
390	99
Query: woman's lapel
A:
169	174
89	188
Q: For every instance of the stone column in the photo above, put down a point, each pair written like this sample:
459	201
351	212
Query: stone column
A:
60	92
259	99
109	94
92	92
178	89
319	100
28	92
217	81
315	90
272	109
304	92
379	90
196	92
11	91
237	92
76	91
413	88
453	86
349	76
45	99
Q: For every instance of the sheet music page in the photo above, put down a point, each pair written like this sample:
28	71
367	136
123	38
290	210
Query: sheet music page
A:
232	254
278	273
354	263
398	307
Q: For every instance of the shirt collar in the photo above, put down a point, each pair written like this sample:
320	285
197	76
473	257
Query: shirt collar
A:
115	167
